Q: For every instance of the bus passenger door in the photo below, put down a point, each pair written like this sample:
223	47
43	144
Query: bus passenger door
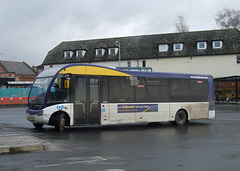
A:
94	105
87	107
80	112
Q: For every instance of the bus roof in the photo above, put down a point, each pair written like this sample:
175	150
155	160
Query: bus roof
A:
87	69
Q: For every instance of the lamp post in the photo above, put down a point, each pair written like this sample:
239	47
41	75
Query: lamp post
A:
119	55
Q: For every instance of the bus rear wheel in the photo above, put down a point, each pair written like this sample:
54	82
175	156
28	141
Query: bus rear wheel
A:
60	122
181	117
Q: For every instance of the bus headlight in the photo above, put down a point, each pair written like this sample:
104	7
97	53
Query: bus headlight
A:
40	113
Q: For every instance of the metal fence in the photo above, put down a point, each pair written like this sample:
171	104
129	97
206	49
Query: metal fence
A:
14	92
14	96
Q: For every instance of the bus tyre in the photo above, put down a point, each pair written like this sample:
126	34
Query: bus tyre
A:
180	118
60	123
38	126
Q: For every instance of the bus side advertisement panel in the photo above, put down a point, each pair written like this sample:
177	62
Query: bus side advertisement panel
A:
137	108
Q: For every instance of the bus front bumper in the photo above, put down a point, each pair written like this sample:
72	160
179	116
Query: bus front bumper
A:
37	119
36	116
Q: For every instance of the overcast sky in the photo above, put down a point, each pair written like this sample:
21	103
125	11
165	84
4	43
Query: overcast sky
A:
31	28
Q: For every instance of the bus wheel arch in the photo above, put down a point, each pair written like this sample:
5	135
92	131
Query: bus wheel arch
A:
181	117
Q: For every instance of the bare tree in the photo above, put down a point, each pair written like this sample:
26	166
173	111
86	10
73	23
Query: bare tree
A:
181	23
228	18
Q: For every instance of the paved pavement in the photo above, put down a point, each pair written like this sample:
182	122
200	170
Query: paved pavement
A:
10	143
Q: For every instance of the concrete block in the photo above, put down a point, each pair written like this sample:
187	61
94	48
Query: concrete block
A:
26	147
4	149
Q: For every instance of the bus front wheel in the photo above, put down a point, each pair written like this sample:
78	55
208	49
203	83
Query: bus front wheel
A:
60	122
181	117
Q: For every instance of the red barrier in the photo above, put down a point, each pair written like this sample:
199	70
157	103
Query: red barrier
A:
13	100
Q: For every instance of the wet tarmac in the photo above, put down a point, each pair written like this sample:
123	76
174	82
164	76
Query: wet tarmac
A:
200	145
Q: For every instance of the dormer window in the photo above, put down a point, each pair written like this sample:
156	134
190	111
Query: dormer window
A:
80	53
100	52
112	51
217	44
68	54
163	48
178	46
202	45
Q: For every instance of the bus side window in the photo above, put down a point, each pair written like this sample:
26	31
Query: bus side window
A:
121	90
179	90
105	89
158	89
198	90
141	90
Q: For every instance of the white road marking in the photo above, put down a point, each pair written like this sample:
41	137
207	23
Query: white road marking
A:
112	170
76	160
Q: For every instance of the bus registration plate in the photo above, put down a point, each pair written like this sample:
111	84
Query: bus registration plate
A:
30	117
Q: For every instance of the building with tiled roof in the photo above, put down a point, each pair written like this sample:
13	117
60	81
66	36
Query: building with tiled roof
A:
18	72
215	52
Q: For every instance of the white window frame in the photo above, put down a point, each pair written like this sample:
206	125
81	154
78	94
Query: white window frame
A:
217	47
199	45
175	48
80	53
163	48
68	54
111	49
100	52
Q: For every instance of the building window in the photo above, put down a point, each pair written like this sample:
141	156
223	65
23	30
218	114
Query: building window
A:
129	64
112	51
163	48
80	53
100	52
68	54
217	44
202	45
178	46
143	63
238	59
